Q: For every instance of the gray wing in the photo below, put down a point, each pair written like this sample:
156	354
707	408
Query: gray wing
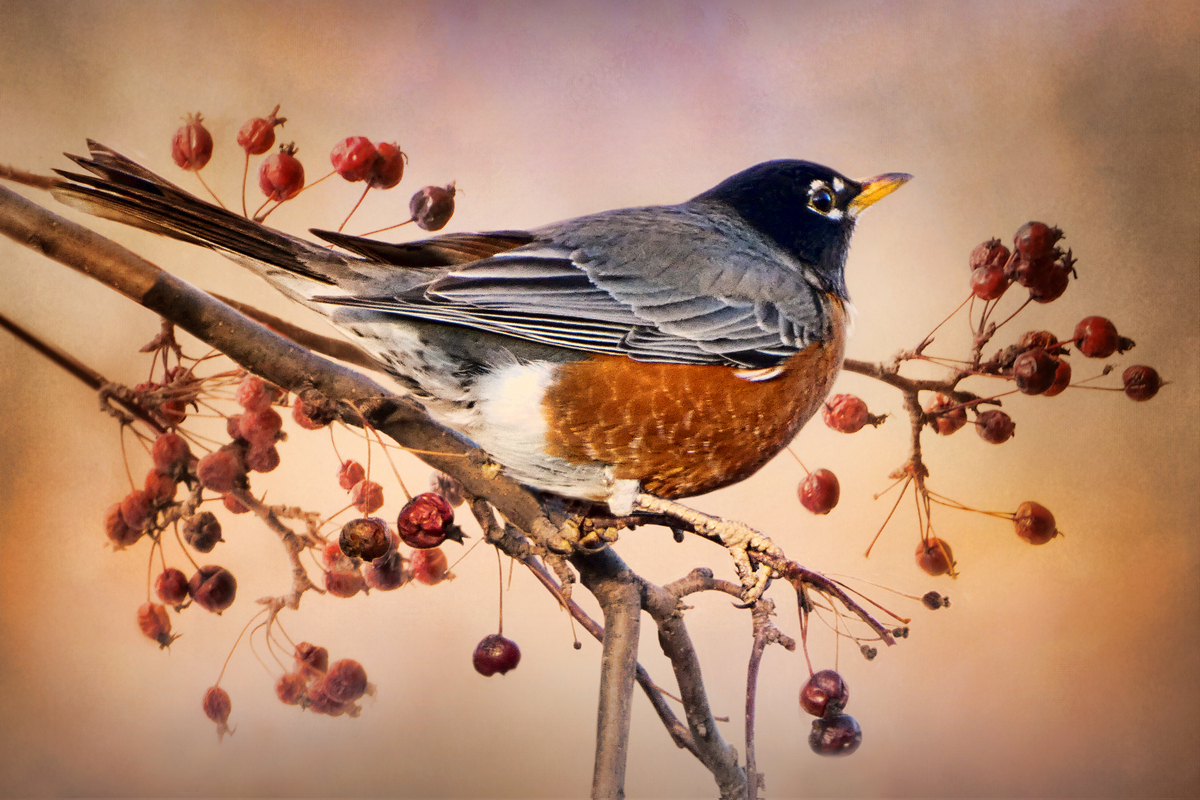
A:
683	284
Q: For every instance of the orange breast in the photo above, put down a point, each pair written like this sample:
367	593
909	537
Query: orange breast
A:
683	430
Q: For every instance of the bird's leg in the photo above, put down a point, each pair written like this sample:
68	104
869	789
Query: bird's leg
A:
739	539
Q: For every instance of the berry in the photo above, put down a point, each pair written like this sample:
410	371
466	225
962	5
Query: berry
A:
233	505
135	509
281	175
945	415
934	600
160	488
433	206
213	588
1036	240
1141	382
291	688
1034	523
322	703
202	531
824	693
989	283
311	660
343	584
1044	340
367	496
386	572
313	410
846	413
217	706
820	491
430	567
350	473
1062	379
426	521
1053	281
171	454
367	538
260	428
155	624
839	735
934	556
990	253
388	167
353	158
495	654
448	487
262	459
1096	337
171	586
120	534
345	682
257	135
221	471
994	426
253	394
1034	371
192	145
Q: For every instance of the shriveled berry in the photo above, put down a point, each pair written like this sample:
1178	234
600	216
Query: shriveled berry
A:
1141	382
945	415
155	624
312	660
119	533
160	488
367	496
350	473
1034	371
1062	379
824	693
367	538
989	283
495	654
217	707
1051	283
1044	340
171	454
213	588
281	175
934	556
1030	272
343	584
262	459
990	253
202	531
426	521
135	509
171	586
846	413
1035	240
221	471
321	703
260	428
233	505
820	491
934	600
313	410
386	572
255	394
345	681
353	158
257	135
839	735
290	688
1034	523
994	426
1096	337
192	145
433	206
388	167
430	567
448	487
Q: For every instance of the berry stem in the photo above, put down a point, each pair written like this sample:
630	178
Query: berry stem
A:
356	205
887	519
210	191
389	227
245	172
245	628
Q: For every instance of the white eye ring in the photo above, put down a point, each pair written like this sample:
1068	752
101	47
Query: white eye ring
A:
822	199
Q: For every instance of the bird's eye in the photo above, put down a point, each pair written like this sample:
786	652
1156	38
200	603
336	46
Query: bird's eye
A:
821	199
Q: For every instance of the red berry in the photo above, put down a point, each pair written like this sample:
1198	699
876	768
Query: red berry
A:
171	586
332	558
386	572
1036	240
934	556
495	654
290	688
233	505
217	707
345	682
281	175
426	521
1034	523
254	394
448	487
989	283
820	491
260	428
262	459
1096	337
321	703
990	253
135	509
1141	382
1034	371
155	624
430	567
824	693
120	534
367	496
171	454
160	488
353	158
367	538
946	415
343	584
221	471
202	531
350	473
1062	379
433	206
835	736
313	410
388	167
994	426
1052	282
213	588
257	135
311	660
846	413
192	145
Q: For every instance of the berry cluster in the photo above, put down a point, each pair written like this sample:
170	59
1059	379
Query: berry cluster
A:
824	695
314	683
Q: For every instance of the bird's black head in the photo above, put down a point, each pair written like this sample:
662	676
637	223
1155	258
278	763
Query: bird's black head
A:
807	209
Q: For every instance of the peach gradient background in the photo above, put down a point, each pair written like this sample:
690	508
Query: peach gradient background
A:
1067	670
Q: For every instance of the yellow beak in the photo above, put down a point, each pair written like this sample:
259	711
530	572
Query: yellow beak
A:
877	188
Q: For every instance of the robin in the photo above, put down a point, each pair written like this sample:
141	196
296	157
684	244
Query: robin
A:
665	350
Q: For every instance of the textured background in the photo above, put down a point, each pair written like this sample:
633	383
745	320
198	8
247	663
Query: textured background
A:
1066	670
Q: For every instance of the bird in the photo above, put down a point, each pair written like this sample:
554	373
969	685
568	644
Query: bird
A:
668	350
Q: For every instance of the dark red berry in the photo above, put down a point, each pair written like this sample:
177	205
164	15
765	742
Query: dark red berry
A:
994	426
1036	240
1034	523
353	158
388	167
367	538
430	567
217	707
119	533
281	175
989	254
824	693
343	584
989	283
290	688
426	521
367	496
345	682
233	505
213	588
171	454
313	410
495	654
350	473
257	135
934	556
171	586
386	572
1051	283
192	145
260	428
1141	382
433	206
946	415
846	413
311	660
1034	371
135	509
221	471
321	703
160	488
934	600
262	459
1062	379
202	531
155	624
835	736
820	491
1096	337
